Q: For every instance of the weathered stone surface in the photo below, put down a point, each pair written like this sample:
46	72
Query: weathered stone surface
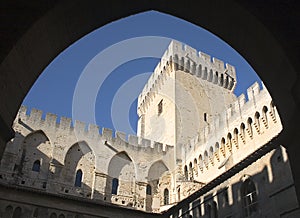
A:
192	130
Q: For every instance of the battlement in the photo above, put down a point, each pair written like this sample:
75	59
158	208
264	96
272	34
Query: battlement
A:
238	110
51	123
179	56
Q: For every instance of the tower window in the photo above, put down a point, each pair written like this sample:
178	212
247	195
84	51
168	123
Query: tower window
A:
249	197
78	178
160	107
36	166
115	184
205	117
166	196
148	190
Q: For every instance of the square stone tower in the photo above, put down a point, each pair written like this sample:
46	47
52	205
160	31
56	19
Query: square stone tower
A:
185	94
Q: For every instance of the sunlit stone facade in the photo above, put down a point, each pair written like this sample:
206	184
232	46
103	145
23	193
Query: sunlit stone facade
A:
192	130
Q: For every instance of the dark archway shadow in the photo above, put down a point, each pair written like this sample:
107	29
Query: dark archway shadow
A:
265	36
267	193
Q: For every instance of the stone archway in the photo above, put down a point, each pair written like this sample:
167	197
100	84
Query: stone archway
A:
79	158
156	170
265	39
121	178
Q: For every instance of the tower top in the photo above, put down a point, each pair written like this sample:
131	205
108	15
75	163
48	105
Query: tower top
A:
189	60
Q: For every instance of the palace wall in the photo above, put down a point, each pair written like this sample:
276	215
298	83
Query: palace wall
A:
198	129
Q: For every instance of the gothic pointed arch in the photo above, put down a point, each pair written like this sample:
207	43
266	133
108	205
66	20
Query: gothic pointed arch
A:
35	136
37	146
8	211
156	170
79	163
36	166
17	212
249	197
121	175
166	197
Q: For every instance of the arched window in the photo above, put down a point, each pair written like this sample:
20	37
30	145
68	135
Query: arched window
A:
223	147
211	210
200	162
36	166
224	198
211	155
176	62
249	122
205	74
186	173
229	137
231	84
205	157
226	82
17	212
36	212
78	178
181	64
242	130
249	197
211	151
187	66
193	70
166	196
61	216
216	79
214	213
217	148
199	71
53	215
236	137
272	107
191	171
208	210
257	115
8	211
178	194
222	80
115	185
148	190
210	76
160	107
265	118
195	167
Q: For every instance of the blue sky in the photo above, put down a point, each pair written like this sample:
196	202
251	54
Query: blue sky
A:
56	88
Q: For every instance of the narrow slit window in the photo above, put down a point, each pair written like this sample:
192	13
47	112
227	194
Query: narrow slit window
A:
160	107
115	185
166	196
78	178
148	190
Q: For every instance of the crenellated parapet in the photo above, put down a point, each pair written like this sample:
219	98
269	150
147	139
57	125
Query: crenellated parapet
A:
34	120
254	101
179	56
134	142
242	129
